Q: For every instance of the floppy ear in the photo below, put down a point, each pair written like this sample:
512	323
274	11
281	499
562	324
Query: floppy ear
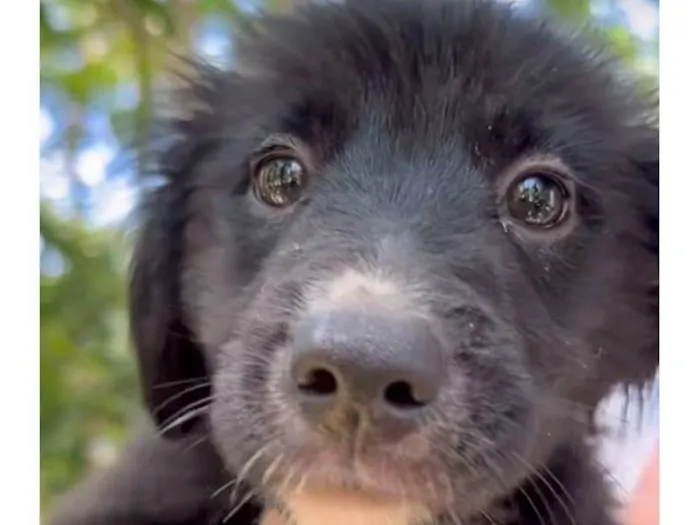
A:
171	360
647	162
650	204
171	363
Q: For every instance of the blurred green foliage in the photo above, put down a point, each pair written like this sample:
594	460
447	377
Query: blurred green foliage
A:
88	387
89	397
89	393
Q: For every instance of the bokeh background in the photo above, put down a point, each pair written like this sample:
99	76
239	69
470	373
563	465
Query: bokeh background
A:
103	65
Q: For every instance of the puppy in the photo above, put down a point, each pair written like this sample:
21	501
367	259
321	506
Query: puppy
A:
402	252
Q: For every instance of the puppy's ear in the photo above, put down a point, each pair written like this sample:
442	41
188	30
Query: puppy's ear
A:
171	360
171	363
647	162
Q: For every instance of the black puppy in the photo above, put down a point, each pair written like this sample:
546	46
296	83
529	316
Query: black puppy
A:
403	252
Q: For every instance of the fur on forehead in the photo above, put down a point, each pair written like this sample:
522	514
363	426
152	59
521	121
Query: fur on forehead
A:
332	66
410	48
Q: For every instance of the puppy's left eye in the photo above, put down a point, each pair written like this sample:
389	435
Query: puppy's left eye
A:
279	180
538	199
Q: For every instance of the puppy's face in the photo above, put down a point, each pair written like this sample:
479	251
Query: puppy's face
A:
407	248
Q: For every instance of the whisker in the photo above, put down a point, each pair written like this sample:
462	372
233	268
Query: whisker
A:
240	505
452	514
288	479
559	484
247	466
489	464
167	384
237	483
188	413
488	517
178	395
196	443
608	472
534	507
538	492
222	488
270	470
547	485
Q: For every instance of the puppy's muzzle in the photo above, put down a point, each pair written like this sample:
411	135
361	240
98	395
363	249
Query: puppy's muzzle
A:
365	370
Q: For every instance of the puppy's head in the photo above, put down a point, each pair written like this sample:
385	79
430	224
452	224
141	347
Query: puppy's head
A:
402	253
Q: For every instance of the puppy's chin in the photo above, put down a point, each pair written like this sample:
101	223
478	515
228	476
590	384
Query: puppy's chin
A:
339	507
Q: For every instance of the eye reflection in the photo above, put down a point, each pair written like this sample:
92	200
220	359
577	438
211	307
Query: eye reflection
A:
537	200
279	181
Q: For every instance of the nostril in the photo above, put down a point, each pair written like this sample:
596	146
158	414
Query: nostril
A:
318	381
401	395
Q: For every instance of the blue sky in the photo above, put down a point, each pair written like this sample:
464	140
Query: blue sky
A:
110	194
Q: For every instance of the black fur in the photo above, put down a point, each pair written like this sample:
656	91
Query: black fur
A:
414	114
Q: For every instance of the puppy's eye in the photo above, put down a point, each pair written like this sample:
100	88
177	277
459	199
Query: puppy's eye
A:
537	199
279	180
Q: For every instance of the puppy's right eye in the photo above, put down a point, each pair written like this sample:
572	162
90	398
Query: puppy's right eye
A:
537	200
279	180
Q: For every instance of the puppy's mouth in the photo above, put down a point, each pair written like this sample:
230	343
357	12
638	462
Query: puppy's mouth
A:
333	483
330	505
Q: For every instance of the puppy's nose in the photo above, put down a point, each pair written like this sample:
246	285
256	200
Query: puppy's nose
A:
385	369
